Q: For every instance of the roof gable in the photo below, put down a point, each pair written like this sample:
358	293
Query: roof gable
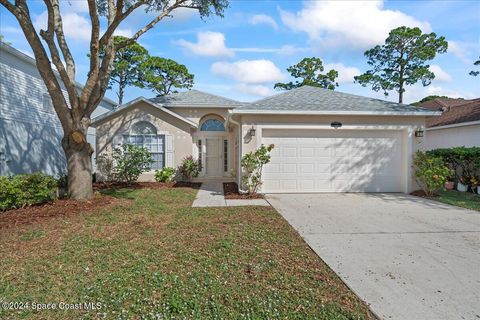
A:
195	98
103	117
309	99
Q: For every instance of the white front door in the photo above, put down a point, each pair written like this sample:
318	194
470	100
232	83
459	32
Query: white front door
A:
213	157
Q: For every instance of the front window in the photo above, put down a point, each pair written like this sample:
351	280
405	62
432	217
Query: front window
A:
212	125
144	134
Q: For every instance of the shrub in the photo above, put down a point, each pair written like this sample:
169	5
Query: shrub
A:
464	163
430	172
190	168
252	165
106	167
26	189
130	162
165	175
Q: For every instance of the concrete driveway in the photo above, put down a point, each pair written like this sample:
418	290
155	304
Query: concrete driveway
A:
408	258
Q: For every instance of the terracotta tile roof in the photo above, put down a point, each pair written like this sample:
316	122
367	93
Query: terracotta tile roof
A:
454	111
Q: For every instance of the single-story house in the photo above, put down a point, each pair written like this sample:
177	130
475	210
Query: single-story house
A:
459	124
30	132
325	141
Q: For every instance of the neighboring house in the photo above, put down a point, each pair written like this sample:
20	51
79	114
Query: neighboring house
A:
459	124
30	132
371	151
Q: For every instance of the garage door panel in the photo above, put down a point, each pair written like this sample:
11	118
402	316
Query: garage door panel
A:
333	161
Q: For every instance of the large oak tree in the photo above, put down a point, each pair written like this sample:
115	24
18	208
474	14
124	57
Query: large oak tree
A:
402	60
50	46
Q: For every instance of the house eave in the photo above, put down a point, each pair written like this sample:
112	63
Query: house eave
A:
454	125
102	118
333	112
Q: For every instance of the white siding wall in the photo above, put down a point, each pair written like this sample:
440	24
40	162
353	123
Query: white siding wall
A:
30	132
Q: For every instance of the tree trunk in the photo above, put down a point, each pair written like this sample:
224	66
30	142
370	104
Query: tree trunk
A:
79	165
400	96
120	92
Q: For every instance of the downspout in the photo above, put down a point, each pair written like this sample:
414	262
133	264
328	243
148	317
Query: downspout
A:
239	153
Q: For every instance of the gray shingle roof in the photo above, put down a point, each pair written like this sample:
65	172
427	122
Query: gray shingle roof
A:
310	99
195	98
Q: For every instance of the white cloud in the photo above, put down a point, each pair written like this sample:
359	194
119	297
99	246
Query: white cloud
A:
264	19
210	44
440	74
462	50
359	24
345	73
75	26
256	90
249	71
124	32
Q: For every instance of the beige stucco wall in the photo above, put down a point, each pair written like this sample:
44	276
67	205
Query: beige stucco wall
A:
407	125
468	136
184	135
165	124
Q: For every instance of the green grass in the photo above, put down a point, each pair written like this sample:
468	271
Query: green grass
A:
155	257
460	199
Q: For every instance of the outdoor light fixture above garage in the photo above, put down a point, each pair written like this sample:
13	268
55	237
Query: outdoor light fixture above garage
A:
252	131
336	124
419	133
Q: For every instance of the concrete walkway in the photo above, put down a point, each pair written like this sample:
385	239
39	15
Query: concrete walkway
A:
407	257
211	195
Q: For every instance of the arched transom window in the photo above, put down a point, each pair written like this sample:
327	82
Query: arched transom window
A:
144	134
143	127
212	125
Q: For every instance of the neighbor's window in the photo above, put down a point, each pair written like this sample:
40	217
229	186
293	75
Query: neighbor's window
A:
144	134
212	125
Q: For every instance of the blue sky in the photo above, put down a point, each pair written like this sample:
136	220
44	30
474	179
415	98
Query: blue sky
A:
242	55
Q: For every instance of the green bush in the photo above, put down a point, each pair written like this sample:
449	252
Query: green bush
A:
106	167
26	189
430	172
252	165
130	162
464	163
165	175
190	168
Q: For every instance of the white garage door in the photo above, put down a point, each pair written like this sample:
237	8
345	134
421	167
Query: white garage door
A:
333	161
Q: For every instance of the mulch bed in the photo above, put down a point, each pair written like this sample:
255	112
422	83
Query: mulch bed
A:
146	185
48	211
230	189
419	193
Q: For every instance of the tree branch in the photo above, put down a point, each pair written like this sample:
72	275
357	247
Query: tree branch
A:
48	36
94	45
67	55
22	14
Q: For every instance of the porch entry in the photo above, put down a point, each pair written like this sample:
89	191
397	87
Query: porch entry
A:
213	155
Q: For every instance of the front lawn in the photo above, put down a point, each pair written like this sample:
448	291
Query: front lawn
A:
460	199
152	256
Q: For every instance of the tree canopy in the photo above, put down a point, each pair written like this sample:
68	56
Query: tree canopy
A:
473	72
127	66
52	51
309	72
164	75
401	61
